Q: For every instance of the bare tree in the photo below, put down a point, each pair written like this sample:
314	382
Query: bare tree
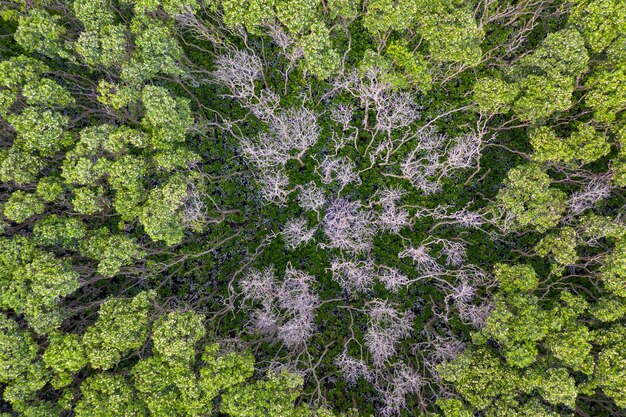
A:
291	133
265	322
596	190
392	217
295	233
391	278
287	307
238	71
353	276
266	104
194	208
311	197
340	169
296	297
385	329
342	114
423	260
351	368
436	157
296	130
395	110
454	252
259	285
404	381
465	151
348	226
274	186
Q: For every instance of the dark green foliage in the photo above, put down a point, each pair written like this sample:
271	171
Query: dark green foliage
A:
312	208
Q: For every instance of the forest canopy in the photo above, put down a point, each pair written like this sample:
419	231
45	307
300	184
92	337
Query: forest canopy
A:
312	208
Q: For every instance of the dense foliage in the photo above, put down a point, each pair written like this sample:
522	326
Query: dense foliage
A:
301	208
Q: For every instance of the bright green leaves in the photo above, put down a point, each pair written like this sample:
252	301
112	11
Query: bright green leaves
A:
599	21
36	287
561	54
122	326
105	48
609	309
618	165
453	408
32	281
540	97
493	95
84	171
176	335
449	29
613	271
273	397
607	96
65	356
480	378
166	381
561	246
516	278
157	52
321	59
19	70
597	227
160	215
126	176
249	13
345	9
303	22
548	352
40	131
296	15
127	173
20	368
540	84
172	7
167	385
546	77
167	118
168	388
92	140
573	348
451	32
48	93
112	251
527	200
517	323
611	368
94	14
386	15
115	96
106	395
49	189
124	157
611	365
584	145
531	98
555	386
42	32
57	231
21	206
19	166
7	99
414	67
88	200
220	372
